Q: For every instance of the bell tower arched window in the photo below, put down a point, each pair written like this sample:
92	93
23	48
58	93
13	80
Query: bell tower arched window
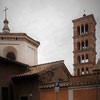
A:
82	71
86	28
82	44
87	71
86	58
86	43
82	29
82	61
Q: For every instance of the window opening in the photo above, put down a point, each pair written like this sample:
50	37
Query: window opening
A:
24	98
87	71
86	28
86	43
82	71
11	55
82	44
82	61
4	93
86	58
82	29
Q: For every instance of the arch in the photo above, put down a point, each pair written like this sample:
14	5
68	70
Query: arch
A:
78	30
86	28
83	58
11	55
87	70
86	60
86	43
10	52
82	44
82	29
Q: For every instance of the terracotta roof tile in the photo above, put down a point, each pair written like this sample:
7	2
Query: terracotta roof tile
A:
42	68
84	80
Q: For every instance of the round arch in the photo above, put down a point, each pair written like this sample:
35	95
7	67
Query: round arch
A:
10	53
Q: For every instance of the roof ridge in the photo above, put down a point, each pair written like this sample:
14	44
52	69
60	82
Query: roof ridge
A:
60	61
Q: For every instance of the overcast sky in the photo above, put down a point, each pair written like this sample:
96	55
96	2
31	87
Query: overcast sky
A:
50	22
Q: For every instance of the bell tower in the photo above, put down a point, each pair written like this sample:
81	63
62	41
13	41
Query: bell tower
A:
84	44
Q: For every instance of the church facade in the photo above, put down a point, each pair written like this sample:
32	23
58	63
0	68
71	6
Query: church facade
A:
21	78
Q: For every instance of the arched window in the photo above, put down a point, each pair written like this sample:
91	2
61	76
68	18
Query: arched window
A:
82	29
86	43
82	61
78	45
87	71
82	71
82	44
86	60
86	28
11	56
78	30
79	59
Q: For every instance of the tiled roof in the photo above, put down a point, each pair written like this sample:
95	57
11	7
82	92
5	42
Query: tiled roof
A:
42	68
84	80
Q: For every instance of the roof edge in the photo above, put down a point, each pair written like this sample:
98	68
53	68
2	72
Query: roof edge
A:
13	61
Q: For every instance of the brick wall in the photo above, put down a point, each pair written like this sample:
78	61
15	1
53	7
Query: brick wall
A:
49	94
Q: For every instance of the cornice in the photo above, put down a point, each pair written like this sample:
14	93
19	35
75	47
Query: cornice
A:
70	84
18	37
84	50
84	35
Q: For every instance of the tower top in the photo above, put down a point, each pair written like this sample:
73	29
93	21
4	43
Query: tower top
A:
6	22
91	16
84	14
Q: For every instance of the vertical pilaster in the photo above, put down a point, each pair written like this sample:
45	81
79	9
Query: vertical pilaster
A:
70	94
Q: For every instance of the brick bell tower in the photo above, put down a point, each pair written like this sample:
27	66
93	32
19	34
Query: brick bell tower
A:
84	44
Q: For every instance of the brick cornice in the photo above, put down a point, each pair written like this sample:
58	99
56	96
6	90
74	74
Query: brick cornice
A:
87	49
84	35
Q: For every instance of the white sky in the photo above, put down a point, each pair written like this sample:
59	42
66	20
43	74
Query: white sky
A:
50	22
